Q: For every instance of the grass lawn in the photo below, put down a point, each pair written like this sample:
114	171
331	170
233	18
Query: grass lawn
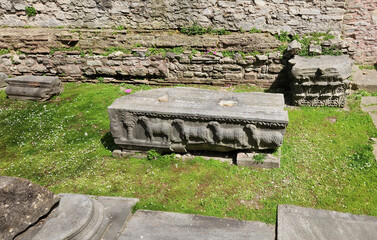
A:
64	144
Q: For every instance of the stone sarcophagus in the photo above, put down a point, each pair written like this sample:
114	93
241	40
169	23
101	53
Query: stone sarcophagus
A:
320	81
33	87
184	119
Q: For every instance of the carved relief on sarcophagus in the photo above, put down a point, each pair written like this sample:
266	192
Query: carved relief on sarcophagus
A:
183	119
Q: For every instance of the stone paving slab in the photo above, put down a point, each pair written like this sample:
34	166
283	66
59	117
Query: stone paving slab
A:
297	223
369	104
146	224
365	79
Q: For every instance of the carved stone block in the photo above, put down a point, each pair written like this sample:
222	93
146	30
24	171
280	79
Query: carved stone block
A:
33	87
320	81
182	119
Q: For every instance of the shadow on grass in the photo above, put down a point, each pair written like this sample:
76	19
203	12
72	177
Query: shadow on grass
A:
108	141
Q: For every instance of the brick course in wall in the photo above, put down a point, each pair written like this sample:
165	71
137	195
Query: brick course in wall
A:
360	29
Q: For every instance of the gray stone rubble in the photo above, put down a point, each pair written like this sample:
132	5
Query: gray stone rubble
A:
183	119
320	81
33	87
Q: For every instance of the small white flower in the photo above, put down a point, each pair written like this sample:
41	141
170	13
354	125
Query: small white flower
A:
86	134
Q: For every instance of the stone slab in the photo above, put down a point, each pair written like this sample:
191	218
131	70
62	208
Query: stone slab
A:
369	104
120	210
147	225
22	203
195	102
338	66
83	217
297	223
33	87
189	119
247	160
364	79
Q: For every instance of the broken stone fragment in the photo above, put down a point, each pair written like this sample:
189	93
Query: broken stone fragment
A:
294	47
22	204
33	87
316	49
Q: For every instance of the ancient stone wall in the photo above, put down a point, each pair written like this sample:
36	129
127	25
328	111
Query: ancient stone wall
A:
354	20
360	29
263	70
269	15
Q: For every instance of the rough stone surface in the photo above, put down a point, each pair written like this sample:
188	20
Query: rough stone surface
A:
364	79
294	47
320	81
33	87
296	223
22	204
3	76
181	119
83	217
354	20
165	225
275	16
360	30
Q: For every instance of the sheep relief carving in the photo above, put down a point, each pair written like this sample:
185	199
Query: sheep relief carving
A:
178	131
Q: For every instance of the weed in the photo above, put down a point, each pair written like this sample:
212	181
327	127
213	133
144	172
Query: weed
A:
137	45
30	11
362	158
196	29
119	28
4	51
259	158
254	30
229	54
100	79
283	37
369	67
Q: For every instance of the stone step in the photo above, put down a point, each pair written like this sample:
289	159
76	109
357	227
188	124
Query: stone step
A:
145	224
297	223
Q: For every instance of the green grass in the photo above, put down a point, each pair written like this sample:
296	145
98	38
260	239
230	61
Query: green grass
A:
65	145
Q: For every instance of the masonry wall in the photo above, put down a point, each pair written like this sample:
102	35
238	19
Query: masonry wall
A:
360	29
354	20
264	71
270	15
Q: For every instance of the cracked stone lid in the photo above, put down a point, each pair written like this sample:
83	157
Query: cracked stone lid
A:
182	101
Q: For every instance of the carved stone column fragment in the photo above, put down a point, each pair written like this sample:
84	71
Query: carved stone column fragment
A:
320	81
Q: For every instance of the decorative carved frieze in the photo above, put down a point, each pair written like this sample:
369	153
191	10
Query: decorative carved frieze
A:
182	119
320	81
